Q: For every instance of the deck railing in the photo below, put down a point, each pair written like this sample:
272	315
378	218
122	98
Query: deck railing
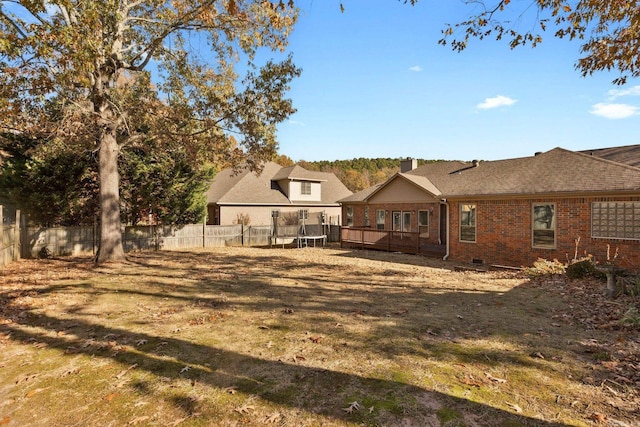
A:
389	240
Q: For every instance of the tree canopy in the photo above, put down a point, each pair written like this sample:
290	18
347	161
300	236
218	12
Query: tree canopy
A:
607	30
78	73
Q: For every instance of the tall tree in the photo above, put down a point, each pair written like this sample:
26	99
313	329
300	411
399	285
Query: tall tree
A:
81	55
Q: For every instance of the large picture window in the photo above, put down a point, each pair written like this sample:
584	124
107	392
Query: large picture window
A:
467	223
615	220
380	219
544	226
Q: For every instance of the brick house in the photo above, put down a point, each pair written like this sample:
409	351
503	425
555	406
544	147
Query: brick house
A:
507	212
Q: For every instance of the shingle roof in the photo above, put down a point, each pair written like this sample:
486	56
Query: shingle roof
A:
299	173
555	171
248	188
628	154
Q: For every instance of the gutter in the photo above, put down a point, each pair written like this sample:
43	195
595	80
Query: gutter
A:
444	202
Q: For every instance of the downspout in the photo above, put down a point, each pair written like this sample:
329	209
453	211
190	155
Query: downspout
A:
446	255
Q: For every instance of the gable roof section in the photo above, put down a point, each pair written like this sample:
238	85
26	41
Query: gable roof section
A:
555	171
248	188
422	182
628	154
299	173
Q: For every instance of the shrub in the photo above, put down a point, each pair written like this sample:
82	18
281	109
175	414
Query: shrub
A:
583	267
631	317
44	253
543	267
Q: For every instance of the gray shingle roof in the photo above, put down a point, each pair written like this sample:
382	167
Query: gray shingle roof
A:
557	171
248	188
628	154
298	173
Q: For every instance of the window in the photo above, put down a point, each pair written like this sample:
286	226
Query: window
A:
544	226
615	220
349	216
467	223
423	223
380	219
367	223
305	188
303	214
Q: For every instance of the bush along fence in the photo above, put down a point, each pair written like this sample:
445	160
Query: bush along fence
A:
84	240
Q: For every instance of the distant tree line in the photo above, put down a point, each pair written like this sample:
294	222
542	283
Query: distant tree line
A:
356	174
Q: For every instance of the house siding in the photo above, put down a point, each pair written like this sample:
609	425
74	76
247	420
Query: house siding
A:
261	215
504	233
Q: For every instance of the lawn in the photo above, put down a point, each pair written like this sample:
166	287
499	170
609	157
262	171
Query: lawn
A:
309	337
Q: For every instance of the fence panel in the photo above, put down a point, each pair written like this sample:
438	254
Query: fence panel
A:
139	237
180	236
223	235
59	241
7	245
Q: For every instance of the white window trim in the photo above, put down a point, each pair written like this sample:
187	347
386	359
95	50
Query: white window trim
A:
475	225
555	240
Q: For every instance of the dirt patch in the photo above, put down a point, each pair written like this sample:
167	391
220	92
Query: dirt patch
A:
248	336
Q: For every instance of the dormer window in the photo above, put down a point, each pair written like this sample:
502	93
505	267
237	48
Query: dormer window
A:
305	188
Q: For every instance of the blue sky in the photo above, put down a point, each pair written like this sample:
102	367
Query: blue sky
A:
375	83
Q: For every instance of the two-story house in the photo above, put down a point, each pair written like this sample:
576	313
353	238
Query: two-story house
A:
280	192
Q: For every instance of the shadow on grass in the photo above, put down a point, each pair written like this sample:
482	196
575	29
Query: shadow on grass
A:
400	312
287	384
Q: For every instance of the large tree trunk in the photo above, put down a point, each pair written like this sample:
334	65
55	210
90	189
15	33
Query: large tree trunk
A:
110	248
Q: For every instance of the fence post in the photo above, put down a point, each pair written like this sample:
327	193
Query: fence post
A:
16	237
204	232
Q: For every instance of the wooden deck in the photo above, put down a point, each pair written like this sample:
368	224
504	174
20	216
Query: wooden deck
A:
390	241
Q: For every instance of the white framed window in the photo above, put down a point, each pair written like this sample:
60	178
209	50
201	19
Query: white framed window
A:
367	223
544	226
349	216
467	223
305	188
615	220
401	221
380	219
303	214
423	223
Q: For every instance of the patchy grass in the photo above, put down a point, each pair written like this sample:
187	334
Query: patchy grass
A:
240	336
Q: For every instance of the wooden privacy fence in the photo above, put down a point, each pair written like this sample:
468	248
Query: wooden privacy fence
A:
9	244
83	240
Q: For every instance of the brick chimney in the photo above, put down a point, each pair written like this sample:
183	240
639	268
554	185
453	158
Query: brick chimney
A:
408	165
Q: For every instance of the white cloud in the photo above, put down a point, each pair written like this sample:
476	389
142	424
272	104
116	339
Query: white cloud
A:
296	123
416	68
495	102
614	111
617	93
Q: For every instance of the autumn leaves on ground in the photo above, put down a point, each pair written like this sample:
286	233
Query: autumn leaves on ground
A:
239	336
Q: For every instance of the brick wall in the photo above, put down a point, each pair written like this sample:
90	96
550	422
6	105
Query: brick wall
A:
433	208
504	233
